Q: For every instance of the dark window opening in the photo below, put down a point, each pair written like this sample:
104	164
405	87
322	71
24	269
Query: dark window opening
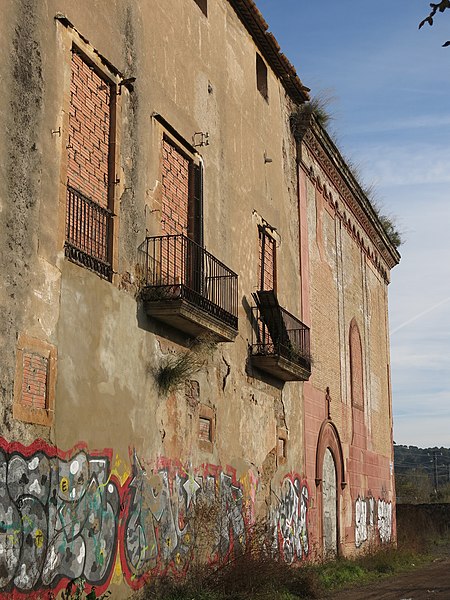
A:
203	6
267	261
261	77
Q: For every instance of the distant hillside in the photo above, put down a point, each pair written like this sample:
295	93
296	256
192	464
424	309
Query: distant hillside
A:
422	474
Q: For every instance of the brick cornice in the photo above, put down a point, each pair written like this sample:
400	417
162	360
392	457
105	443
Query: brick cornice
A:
330	160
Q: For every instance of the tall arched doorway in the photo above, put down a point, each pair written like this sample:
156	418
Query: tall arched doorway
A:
330	479
329	505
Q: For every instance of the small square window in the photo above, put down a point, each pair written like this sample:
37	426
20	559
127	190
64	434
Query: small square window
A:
206	428
203	6
261	77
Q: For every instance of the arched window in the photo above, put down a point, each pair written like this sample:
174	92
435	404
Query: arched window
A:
356	366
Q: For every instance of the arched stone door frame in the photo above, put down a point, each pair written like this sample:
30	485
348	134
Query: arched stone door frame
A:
329	438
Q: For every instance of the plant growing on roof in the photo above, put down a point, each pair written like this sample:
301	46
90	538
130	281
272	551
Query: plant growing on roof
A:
300	119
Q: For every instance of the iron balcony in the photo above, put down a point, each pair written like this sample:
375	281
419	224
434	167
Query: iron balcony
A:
188	288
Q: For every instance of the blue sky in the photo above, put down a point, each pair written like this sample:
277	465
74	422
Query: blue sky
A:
390	85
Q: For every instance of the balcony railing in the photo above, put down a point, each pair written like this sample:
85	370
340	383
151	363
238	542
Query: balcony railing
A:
176	268
88	233
280	341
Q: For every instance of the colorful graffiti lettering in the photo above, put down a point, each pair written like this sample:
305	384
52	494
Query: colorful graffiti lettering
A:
57	519
290	520
66	516
367	523
73	515
162	516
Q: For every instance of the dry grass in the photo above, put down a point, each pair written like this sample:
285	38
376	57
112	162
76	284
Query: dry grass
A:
175	368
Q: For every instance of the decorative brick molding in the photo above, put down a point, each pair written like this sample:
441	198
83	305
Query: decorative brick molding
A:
206	428
35	380
325	152
356	366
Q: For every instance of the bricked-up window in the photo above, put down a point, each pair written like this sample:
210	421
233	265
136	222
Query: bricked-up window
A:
35	374
261	77
34	386
203	5
181	193
175	190
90	168
356	366
267	261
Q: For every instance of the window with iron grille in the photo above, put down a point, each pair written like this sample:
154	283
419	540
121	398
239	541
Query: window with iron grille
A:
90	166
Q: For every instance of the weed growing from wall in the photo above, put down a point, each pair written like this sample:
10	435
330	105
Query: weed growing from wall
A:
175	368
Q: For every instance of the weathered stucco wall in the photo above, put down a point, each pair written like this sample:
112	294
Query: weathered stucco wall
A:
110	481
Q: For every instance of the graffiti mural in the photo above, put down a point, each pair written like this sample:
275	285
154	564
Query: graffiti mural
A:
162	515
290	520
57	519
370	518
74	515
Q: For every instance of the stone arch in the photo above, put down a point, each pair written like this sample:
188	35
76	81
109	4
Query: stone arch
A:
329	443
329	438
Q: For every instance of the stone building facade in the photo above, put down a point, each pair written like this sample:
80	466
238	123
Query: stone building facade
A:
194	302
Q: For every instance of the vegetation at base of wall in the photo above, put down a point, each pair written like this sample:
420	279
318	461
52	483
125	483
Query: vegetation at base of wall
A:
176	367
250	577
256	574
76	590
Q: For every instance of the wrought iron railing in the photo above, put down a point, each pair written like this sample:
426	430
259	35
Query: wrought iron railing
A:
174	267
88	233
276	332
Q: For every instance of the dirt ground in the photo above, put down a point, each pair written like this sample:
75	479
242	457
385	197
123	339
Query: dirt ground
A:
425	583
